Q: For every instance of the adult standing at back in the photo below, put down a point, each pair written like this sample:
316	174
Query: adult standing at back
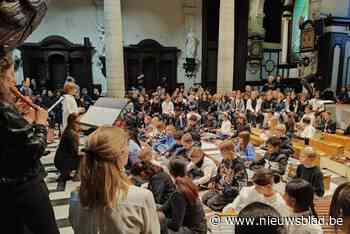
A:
69	105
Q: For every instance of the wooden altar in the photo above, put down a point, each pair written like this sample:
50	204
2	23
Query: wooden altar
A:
50	61
157	63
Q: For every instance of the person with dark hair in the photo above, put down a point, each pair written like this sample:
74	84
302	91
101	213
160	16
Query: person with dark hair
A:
253	108
241	124
193	127
327	124
23	132
186	146
67	155
306	130
262	191
230	178
340	206
269	85
342	96
183	212
274	158
201	168
85	99
177	137
159	182
225	130
244	148
163	144
259	211
299	196
290	124
156	107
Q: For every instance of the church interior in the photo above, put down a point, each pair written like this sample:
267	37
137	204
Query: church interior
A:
175	116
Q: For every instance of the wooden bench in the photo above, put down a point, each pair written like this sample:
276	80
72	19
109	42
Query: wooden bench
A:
328	148
337	167
341	140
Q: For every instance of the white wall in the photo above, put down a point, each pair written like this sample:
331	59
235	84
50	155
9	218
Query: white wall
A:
163	21
74	20
335	7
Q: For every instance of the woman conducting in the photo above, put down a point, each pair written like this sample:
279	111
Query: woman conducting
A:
24	197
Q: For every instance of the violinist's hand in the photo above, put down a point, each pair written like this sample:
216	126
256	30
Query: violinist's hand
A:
41	116
23	107
29	114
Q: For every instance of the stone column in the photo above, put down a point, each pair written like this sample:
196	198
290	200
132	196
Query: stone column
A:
286	18
114	48
226	46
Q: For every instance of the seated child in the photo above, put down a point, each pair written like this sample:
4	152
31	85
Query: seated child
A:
226	126
274	159
201	168
159	182
309	171
146	155
230	178
187	144
162	145
259	211
327	124
241	124
299	196
244	148
262	191
286	145
193	127
309	114
306	131
340	207
177	137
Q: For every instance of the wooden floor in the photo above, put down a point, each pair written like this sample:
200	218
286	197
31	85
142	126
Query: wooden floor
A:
322	209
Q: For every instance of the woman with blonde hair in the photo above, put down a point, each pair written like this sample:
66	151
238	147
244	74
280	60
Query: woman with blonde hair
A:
69	104
107	203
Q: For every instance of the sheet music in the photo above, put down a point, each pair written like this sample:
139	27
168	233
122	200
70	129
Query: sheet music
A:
100	116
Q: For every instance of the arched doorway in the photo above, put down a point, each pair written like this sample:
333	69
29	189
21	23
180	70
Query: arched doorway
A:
58	72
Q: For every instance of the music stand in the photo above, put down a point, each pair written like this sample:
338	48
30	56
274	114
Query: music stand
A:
105	112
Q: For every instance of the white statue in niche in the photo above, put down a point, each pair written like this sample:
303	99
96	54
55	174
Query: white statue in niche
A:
17	58
101	37
191	45
98	77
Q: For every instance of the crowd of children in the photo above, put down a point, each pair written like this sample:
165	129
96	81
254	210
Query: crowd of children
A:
166	157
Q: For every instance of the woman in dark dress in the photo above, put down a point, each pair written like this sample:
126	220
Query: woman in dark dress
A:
24	197
67	154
